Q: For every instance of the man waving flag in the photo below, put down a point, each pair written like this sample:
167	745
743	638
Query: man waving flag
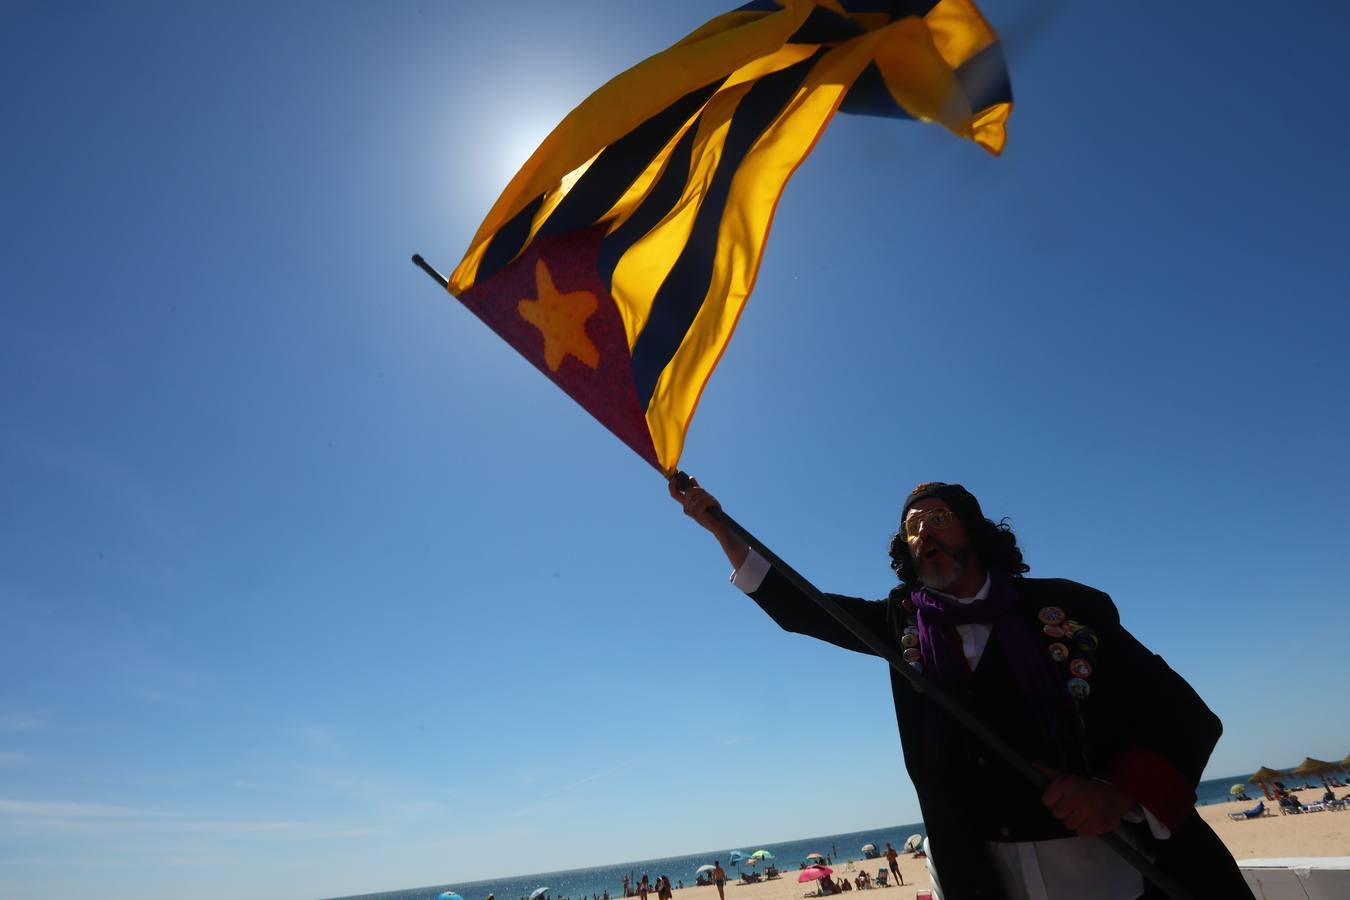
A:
620	256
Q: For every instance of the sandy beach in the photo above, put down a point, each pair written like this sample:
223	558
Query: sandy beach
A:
1309	834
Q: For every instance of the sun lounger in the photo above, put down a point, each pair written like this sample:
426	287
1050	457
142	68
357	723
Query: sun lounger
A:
1255	812
1290	807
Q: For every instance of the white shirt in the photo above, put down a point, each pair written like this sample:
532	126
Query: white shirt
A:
1083	868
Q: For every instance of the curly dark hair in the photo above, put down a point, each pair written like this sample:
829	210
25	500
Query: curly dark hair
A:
993	544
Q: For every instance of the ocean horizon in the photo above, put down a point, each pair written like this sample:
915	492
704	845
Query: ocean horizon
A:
576	884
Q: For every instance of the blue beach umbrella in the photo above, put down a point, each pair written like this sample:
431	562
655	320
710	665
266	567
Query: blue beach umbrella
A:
735	857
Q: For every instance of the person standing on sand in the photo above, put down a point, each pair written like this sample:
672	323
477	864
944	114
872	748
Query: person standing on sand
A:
719	875
893	861
1048	667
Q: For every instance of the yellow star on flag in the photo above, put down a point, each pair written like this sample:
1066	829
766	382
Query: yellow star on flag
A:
561	319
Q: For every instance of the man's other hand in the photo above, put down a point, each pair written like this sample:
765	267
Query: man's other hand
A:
1085	806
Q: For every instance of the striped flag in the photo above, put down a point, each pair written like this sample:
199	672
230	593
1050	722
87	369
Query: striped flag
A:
620	256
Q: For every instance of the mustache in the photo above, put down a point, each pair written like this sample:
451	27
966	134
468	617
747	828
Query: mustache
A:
960	554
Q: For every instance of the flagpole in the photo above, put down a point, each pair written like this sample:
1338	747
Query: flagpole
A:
426	267
926	686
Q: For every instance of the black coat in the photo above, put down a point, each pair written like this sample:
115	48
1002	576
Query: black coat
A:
1141	727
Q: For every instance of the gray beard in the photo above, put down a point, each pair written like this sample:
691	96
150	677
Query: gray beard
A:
960	557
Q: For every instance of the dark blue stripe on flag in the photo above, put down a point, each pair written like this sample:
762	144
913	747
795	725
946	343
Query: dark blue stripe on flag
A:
597	189
660	200
614	169
869	96
901	8
823	27
896	9
984	78
680	296
508	240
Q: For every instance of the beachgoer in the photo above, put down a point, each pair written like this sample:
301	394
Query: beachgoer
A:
1047	666
892	860
719	878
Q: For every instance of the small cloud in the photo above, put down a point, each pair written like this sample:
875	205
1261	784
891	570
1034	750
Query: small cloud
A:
319	740
12	723
61	810
98	818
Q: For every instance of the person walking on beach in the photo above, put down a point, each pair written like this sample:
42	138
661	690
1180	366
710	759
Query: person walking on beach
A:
719	875
892	860
1048	667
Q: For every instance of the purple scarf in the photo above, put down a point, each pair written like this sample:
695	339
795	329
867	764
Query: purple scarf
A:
1024	648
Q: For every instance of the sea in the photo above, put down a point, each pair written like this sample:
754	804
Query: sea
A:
582	884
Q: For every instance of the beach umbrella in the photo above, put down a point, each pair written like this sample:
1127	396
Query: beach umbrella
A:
537	893
735	857
1237	789
814	856
1263	775
448	895
701	869
913	842
1311	766
814	873
761	854
869	848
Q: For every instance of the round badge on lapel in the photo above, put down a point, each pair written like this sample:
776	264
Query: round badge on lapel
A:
1071	627
1080	668
909	640
1051	615
1086	640
912	629
916	666
1058	652
912	654
1078	688
1053	631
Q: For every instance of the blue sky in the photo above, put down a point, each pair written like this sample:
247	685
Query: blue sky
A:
311	586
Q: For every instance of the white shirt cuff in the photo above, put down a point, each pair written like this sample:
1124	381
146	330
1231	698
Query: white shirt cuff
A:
1141	814
750	574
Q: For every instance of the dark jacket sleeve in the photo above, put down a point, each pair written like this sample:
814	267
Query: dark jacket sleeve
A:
796	612
1166	732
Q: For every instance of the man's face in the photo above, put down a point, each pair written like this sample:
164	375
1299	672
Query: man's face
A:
937	543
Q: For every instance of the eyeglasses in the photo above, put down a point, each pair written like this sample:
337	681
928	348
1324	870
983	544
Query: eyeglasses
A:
934	518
